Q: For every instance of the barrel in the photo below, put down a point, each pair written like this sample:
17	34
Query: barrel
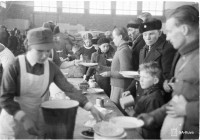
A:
59	117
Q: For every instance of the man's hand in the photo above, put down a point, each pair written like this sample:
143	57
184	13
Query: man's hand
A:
166	86
148	119
177	106
97	114
130	111
29	126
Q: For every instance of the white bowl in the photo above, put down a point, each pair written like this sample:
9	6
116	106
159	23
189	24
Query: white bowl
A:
128	123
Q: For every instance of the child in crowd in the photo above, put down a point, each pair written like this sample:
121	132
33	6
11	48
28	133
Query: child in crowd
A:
88	48
76	52
151	98
104	52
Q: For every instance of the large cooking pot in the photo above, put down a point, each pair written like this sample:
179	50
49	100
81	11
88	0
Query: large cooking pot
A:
59	117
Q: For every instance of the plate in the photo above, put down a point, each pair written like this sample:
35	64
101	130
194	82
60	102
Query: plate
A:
88	64
94	90
127	122
129	74
110	59
85	134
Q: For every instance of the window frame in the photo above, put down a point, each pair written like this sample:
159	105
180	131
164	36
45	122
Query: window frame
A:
155	11
3	4
44	5
82	9
99	11
127	12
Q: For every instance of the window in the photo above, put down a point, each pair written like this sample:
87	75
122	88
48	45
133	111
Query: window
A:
3	4
70	6
153	7
100	7
45	5
126	8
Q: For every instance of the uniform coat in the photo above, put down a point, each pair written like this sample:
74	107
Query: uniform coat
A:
187	84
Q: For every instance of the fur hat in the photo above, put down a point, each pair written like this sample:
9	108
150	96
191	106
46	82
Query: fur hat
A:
134	23
103	40
40	38
153	24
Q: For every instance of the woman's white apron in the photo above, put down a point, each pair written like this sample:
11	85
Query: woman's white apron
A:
32	93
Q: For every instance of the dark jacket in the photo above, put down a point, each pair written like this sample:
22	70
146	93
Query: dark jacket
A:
101	59
162	52
4	35
87	53
13	44
151	99
137	45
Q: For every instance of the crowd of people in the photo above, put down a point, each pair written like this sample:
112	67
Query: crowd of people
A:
166	97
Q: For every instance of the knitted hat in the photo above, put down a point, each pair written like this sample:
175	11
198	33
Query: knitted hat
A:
87	36
134	23
154	24
103	40
40	38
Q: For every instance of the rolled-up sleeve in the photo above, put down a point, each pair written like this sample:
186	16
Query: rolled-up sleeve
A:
67	87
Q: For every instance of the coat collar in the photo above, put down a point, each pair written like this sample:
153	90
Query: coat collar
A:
151	89
88	47
157	44
122	45
189	47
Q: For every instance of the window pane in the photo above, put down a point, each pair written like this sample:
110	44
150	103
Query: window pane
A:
100	7
3	4
153	7
70	6
45	5
126	8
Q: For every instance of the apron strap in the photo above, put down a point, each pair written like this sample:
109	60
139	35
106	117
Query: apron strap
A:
23	71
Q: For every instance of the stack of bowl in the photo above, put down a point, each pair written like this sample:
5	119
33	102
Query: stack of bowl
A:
108	130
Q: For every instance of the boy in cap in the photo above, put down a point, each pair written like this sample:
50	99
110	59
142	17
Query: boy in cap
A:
24	87
151	98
